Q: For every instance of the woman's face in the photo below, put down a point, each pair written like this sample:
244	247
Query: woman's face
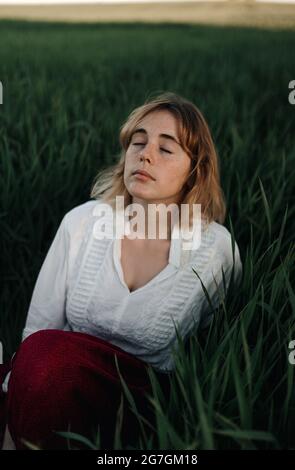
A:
161	156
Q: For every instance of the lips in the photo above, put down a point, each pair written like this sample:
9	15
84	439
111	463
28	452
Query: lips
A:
143	172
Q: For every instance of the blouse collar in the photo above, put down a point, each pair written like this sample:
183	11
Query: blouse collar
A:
183	242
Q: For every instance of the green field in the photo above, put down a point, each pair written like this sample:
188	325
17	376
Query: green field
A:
235	13
66	91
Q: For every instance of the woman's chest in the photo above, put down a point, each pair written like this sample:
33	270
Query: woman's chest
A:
141	261
99	302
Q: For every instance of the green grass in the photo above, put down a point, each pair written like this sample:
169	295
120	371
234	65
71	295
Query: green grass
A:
66	90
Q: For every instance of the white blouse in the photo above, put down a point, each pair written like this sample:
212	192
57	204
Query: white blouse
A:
81	287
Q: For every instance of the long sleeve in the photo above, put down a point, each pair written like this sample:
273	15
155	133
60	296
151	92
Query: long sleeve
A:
214	280
47	306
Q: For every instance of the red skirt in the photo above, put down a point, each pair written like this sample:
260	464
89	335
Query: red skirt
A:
68	381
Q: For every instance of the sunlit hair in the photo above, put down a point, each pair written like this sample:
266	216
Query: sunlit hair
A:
203	183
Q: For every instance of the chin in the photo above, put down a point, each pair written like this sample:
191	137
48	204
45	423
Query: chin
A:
139	195
139	192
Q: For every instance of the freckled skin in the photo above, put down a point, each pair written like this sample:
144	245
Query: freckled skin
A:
170	170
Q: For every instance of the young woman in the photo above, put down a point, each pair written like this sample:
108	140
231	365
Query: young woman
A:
96	298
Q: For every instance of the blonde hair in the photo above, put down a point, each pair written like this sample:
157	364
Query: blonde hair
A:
203	183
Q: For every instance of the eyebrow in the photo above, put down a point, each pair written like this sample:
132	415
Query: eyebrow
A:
166	136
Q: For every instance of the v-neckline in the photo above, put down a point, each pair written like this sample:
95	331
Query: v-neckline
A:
166	271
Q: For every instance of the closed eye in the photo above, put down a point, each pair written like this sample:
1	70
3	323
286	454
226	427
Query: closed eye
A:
161	148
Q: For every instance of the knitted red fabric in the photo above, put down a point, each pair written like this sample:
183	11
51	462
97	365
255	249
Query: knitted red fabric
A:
63	378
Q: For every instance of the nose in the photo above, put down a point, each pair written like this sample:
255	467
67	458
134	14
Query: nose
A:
143	158
146	153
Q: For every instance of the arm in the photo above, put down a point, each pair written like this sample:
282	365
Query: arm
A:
214	282
47	306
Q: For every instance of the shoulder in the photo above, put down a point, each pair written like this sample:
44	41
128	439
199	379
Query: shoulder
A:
77	218
223	239
227	250
224	251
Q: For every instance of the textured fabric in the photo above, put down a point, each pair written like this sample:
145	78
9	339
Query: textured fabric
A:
81	288
60	378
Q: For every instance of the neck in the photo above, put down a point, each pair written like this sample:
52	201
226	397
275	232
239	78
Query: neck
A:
156	225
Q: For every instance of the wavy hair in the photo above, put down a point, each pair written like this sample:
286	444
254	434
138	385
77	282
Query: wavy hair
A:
203	183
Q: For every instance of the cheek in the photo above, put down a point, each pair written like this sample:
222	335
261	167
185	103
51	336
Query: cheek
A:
186	168
129	159
126	172
127	162
178	173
